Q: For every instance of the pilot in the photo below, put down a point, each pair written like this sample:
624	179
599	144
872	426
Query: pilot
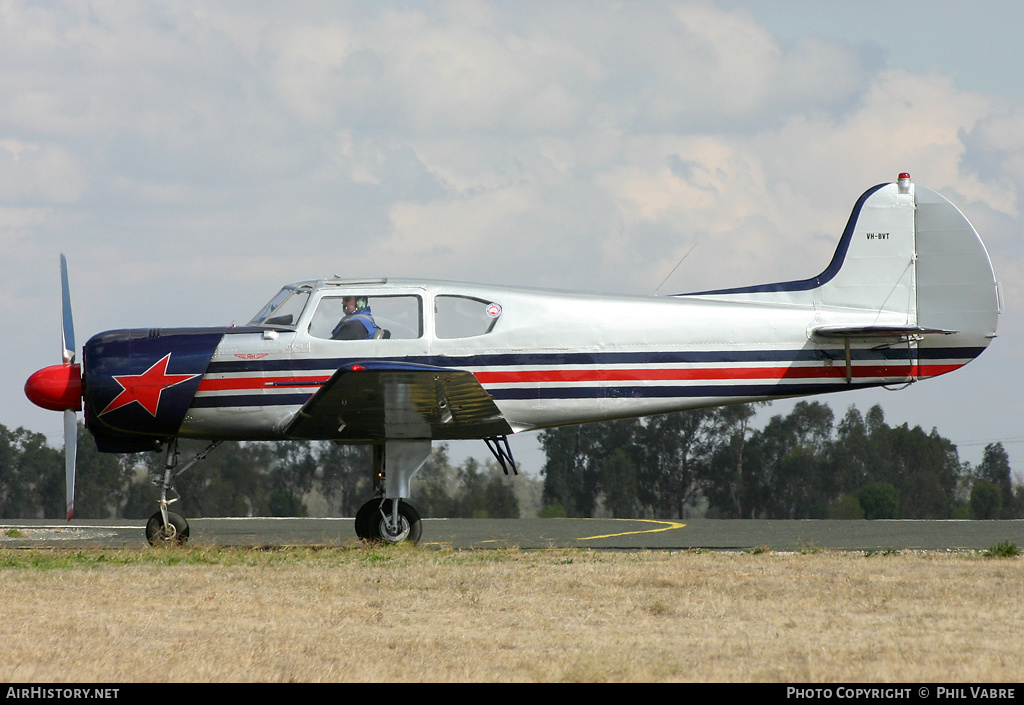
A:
358	321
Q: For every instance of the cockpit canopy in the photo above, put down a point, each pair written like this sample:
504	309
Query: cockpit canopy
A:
284	309
398	310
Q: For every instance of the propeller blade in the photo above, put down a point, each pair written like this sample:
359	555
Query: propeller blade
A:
67	330
67	327
70	456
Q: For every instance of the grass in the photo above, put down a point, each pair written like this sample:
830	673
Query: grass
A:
1003	549
408	614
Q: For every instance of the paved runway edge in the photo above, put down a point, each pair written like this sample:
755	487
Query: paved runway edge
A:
608	534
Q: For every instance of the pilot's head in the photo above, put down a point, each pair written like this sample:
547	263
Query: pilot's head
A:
351	304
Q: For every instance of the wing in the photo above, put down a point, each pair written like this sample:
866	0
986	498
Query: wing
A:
375	400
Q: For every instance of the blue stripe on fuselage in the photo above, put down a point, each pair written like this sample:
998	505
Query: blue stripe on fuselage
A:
299	364
582	392
593	391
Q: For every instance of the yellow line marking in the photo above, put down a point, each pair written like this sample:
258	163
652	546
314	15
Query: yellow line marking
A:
669	526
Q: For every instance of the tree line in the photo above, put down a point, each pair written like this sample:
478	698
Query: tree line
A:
241	479
713	463
707	462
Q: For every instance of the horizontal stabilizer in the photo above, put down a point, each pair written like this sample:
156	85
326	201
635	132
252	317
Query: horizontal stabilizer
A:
833	332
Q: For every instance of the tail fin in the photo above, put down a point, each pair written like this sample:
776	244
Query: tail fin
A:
909	267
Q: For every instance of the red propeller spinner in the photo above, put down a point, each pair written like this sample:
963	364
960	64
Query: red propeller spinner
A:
57	387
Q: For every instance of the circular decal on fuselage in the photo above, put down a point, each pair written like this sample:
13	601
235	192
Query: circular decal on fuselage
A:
493	310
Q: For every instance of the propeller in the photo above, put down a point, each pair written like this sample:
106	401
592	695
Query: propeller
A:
70	457
67	330
59	388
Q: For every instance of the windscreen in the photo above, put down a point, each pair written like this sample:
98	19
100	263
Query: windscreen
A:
283	309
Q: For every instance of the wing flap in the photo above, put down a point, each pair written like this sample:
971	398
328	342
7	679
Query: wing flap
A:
371	400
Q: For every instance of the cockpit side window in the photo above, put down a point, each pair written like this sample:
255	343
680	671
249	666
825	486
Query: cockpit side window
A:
400	316
284	309
464	316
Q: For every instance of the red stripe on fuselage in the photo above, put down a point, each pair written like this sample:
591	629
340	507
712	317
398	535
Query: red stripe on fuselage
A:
234	384
549	376
715	373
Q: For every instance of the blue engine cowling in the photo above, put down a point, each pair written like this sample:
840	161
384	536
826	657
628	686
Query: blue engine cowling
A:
138	384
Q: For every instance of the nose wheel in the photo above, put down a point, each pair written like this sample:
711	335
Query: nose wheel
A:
376	521
173	533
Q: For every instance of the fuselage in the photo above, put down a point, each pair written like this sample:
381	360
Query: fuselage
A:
546	357
909	294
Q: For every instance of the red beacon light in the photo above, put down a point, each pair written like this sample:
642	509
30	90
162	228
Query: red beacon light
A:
904	182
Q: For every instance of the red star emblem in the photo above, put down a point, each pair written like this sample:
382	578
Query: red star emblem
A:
146	388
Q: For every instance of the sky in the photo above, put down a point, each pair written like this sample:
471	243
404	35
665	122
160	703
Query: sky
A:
190	158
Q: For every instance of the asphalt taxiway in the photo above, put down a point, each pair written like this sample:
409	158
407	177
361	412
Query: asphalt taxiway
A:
608	534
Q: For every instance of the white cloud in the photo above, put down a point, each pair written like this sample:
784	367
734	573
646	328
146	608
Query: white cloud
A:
38	173
175	147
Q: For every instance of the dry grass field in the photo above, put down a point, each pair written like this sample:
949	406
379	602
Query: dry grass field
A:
411	614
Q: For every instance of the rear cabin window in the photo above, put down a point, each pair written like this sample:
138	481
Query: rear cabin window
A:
464	316
398	315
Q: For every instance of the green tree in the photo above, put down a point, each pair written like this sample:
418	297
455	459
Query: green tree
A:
142	495
31	476
500	499
345	475
471	500
671	451
995	468
986	500
618	479
103	480
563	466
292	468
795	449
575	454
846	507
879	500
925	469
228	483
731	483
436	485
852	453
484	492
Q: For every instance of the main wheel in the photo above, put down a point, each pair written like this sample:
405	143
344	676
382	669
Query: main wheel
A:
174	534
376	526
364	518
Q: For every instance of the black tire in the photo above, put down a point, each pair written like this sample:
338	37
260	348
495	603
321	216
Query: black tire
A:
364	518
175	534
410	529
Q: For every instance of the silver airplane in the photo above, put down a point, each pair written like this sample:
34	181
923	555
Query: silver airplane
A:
395	363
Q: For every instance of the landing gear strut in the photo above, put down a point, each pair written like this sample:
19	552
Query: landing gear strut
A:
166	528
387	517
